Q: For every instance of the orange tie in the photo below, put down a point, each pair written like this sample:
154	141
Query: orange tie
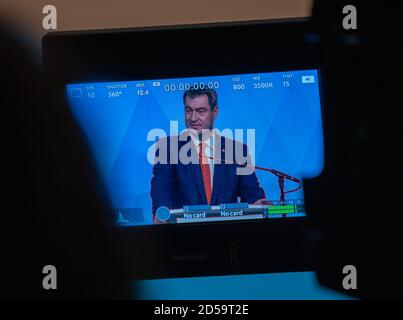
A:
205	170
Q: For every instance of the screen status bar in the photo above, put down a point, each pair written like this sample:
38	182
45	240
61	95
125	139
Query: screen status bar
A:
238	83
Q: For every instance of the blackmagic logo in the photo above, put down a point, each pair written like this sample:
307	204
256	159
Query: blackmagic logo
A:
200	257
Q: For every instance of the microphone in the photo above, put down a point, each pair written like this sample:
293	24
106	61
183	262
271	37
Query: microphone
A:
286	176
273	171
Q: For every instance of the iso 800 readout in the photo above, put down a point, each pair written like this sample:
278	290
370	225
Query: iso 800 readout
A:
222	309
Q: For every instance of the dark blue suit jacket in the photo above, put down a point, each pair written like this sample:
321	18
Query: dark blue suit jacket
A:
177	185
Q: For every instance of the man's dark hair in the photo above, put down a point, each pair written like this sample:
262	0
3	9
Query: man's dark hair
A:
211	95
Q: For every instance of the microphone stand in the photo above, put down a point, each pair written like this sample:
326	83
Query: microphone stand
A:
281	187
281	176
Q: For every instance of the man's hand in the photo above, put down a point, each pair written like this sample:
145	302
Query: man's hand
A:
263	201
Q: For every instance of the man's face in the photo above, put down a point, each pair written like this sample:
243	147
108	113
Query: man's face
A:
198	113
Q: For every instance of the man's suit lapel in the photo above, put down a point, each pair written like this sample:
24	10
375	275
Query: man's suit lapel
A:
219	170
194	174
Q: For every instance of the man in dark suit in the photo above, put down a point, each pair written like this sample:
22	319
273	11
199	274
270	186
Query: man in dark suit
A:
202	173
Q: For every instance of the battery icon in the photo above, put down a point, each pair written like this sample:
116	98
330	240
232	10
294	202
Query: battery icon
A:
156	84
308	79
76	93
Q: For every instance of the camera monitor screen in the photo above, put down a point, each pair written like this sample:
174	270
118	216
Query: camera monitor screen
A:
204	149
